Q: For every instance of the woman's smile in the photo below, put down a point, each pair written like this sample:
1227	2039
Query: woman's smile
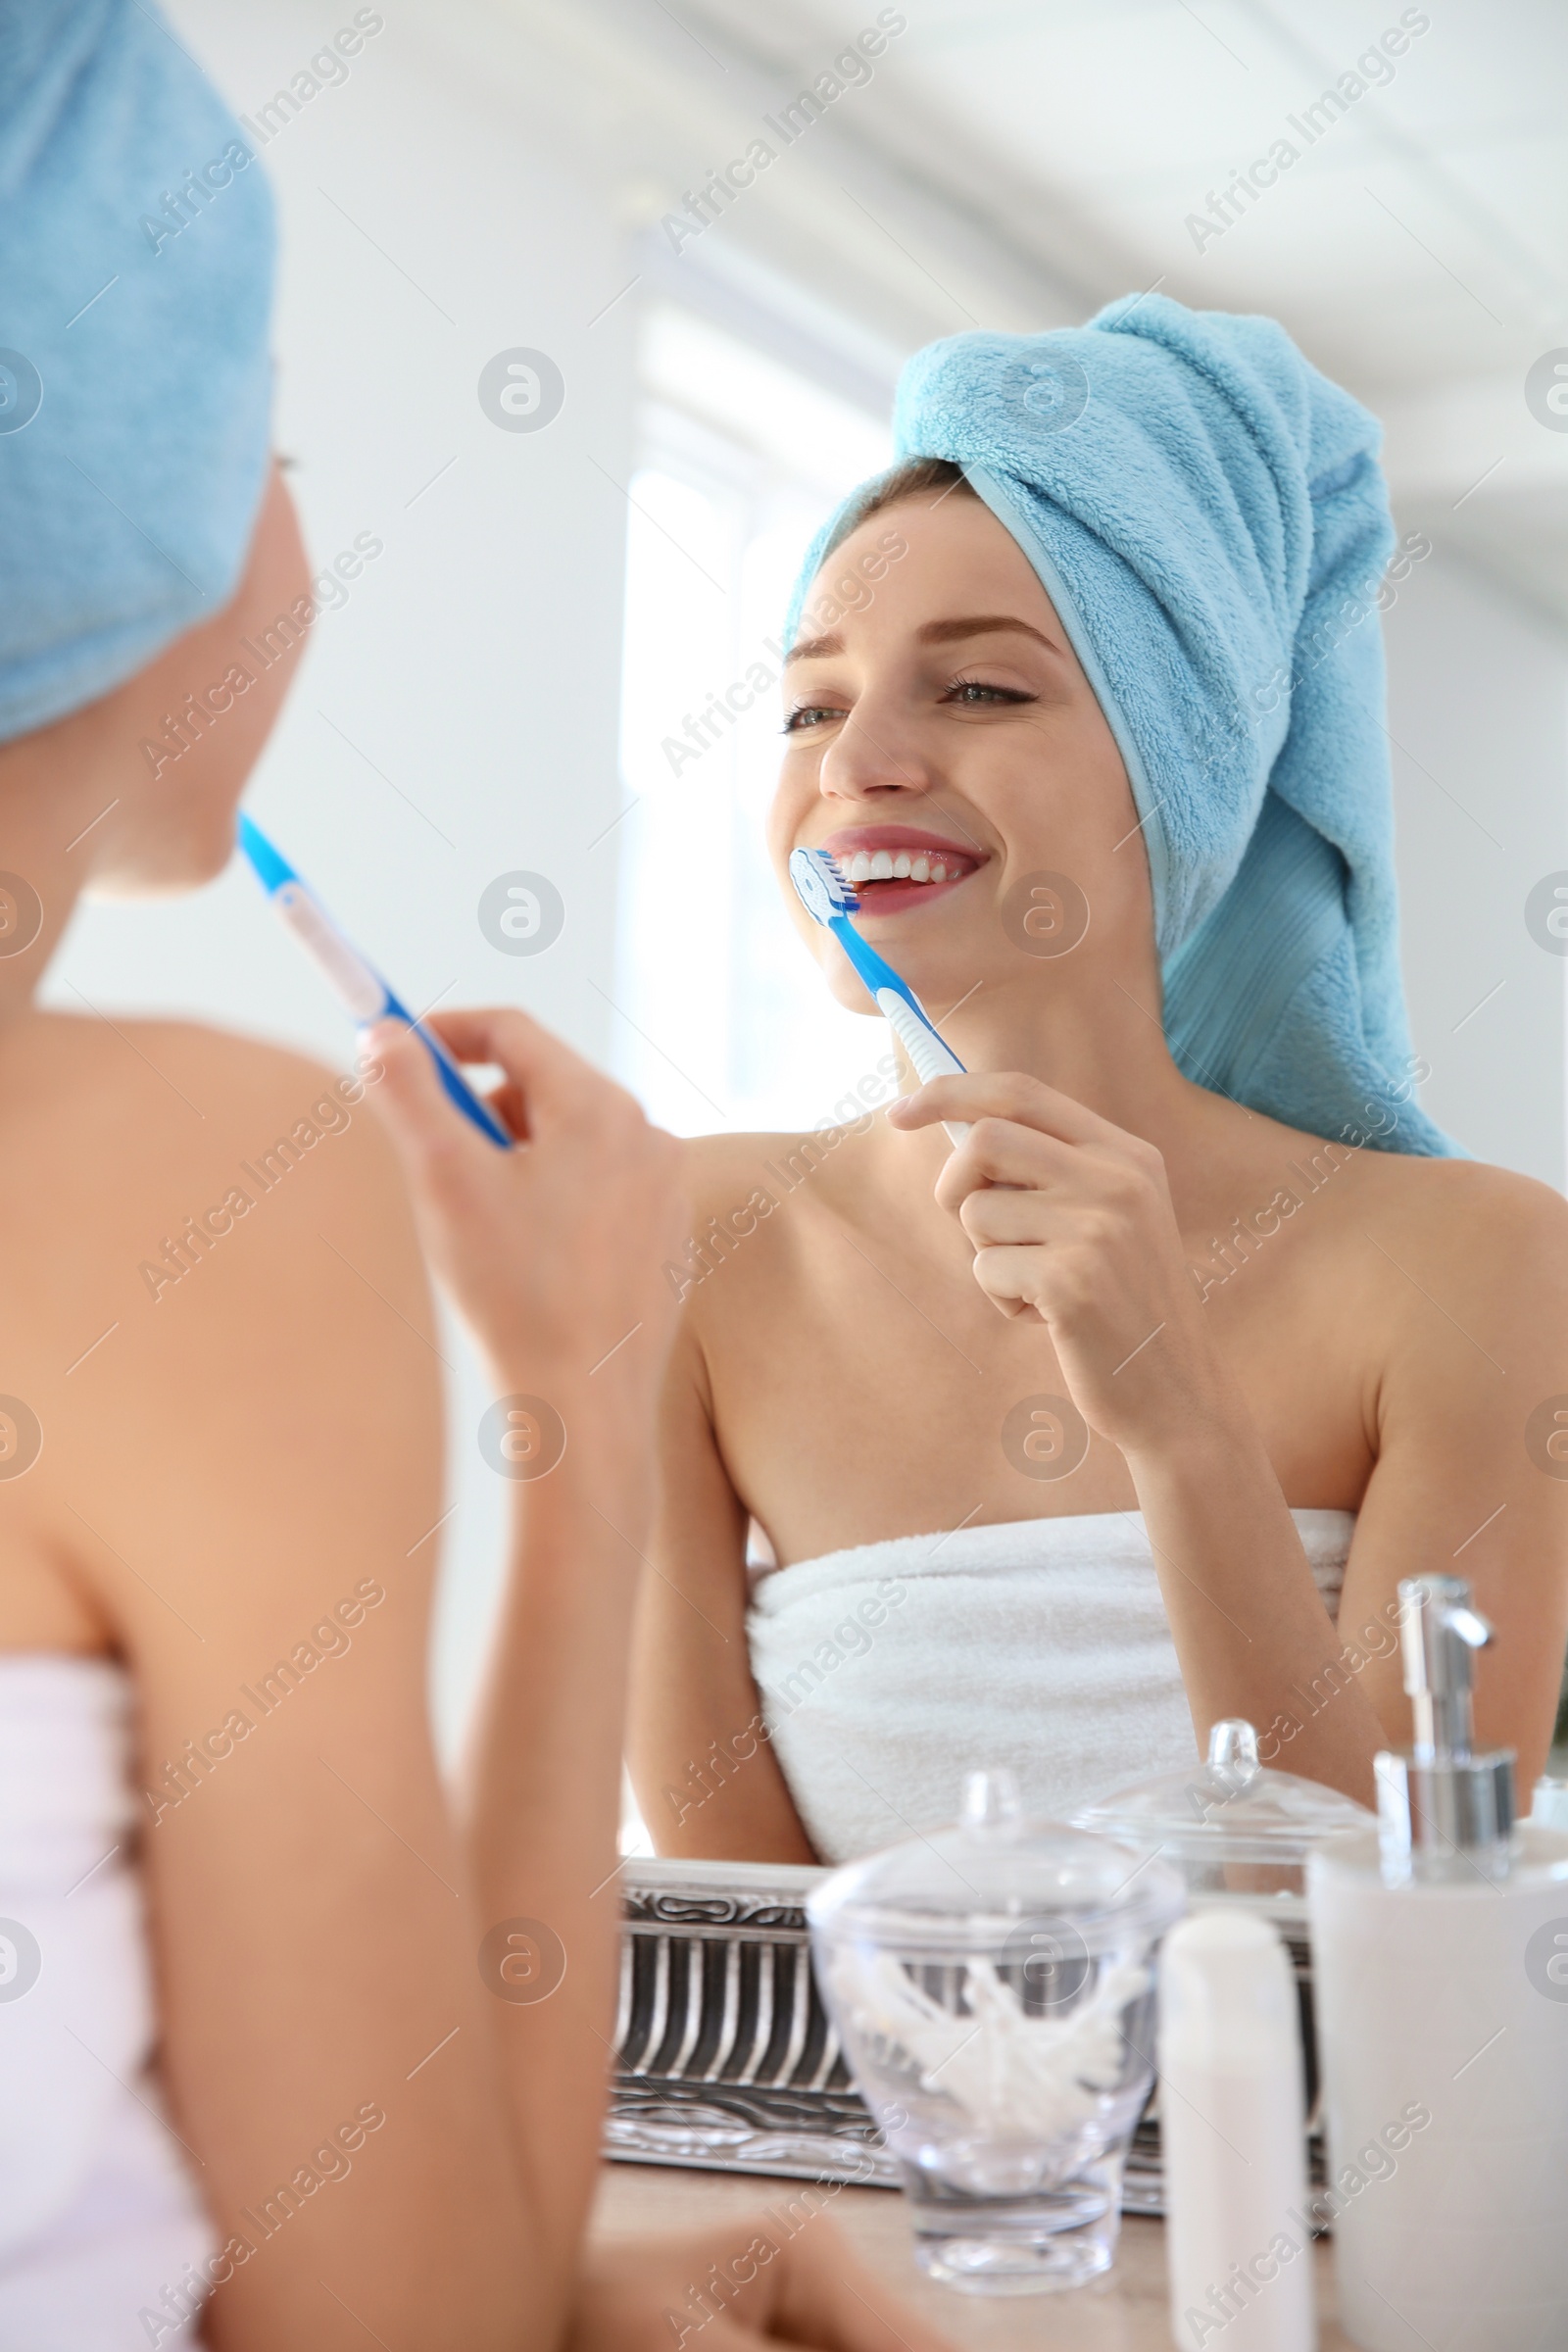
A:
892	866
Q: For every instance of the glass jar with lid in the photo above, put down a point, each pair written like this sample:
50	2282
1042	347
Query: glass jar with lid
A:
993	1986
1232	1825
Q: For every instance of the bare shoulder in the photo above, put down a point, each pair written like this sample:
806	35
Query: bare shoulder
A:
717	1163
136	1152
119	1121
1488	1245
208	1199
1485	1216
726	1171
62	1070
214	1274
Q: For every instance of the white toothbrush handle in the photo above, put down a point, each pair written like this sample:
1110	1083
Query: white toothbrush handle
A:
930	1056
363	991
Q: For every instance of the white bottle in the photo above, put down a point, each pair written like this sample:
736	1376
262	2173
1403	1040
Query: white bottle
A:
1440	1962
1549	1810
1234	2137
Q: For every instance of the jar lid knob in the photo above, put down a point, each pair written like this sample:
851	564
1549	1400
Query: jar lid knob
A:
991	1798
1233	1747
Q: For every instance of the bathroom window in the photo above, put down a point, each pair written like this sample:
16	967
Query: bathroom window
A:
720	1021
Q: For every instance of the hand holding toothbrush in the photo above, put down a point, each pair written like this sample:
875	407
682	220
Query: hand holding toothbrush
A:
545	1246
553	1251
1071	1218
357	982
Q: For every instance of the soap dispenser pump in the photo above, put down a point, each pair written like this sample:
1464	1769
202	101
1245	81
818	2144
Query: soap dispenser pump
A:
1444	1812
1439	1955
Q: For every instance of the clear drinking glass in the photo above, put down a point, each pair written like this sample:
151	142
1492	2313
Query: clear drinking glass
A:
994	1989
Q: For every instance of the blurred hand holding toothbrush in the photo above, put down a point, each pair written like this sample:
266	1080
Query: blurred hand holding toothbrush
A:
552	1252
359	985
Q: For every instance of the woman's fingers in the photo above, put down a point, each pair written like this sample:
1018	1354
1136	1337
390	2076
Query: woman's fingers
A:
544	1085
827	2297
1011	1278
1000	1151
425	1124
745	2287
551	1252
1000	1213
552	1080
1001	1095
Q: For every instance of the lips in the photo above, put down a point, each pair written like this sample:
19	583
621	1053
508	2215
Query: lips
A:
894	866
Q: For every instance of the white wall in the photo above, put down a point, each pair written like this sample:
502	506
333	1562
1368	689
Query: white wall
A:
477	663
1478	713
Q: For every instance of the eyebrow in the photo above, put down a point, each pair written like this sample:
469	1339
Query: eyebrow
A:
934	633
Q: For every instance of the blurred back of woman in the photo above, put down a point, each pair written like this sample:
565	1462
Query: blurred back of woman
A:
219	1448
263	2077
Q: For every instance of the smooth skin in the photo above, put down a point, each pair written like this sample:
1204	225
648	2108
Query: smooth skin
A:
225	1463
514	1242
843	1373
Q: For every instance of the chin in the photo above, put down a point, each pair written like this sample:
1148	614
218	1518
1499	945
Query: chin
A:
849	989
170	866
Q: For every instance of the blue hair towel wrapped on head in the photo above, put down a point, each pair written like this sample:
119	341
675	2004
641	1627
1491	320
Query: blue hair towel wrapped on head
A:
135	289
1207	515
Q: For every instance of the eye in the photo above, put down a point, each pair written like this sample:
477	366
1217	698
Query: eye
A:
806	715
976	694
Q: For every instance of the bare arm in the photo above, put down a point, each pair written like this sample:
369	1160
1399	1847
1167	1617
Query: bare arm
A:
706	1775
1467	1481
1468	1294
579	1329
584	1324
1071	1218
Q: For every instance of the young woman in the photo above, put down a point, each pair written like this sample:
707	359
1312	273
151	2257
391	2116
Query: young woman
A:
378	2018
1079	1401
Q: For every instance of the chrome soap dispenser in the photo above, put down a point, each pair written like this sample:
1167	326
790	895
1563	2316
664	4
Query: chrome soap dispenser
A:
1440	1953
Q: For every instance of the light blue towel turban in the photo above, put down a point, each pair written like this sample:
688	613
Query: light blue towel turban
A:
135	287
1209	517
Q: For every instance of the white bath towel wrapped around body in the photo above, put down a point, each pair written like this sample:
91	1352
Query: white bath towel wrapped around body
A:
99	2217
889	1670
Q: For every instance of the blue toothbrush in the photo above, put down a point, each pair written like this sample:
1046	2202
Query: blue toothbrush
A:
830	900
361	987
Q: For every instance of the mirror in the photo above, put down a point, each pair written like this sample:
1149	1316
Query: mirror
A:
1230	898
949	1560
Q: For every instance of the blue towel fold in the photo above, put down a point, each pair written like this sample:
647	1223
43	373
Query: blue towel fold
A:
1209	517
135	289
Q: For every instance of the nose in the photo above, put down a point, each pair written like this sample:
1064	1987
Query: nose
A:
875	757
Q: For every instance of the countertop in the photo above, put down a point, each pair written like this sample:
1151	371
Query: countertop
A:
1122	2313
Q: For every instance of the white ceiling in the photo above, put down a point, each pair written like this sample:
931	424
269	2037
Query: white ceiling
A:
1017	164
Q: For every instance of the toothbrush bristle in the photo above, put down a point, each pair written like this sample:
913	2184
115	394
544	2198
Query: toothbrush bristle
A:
820	887
838	881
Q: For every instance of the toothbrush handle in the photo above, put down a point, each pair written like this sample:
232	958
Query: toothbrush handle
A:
906	1016
931	1054
360	986
917	1034
458	1090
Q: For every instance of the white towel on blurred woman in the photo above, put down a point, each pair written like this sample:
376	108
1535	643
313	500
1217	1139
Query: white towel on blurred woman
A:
98	2218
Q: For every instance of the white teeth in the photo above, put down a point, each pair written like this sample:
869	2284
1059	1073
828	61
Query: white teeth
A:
901	865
